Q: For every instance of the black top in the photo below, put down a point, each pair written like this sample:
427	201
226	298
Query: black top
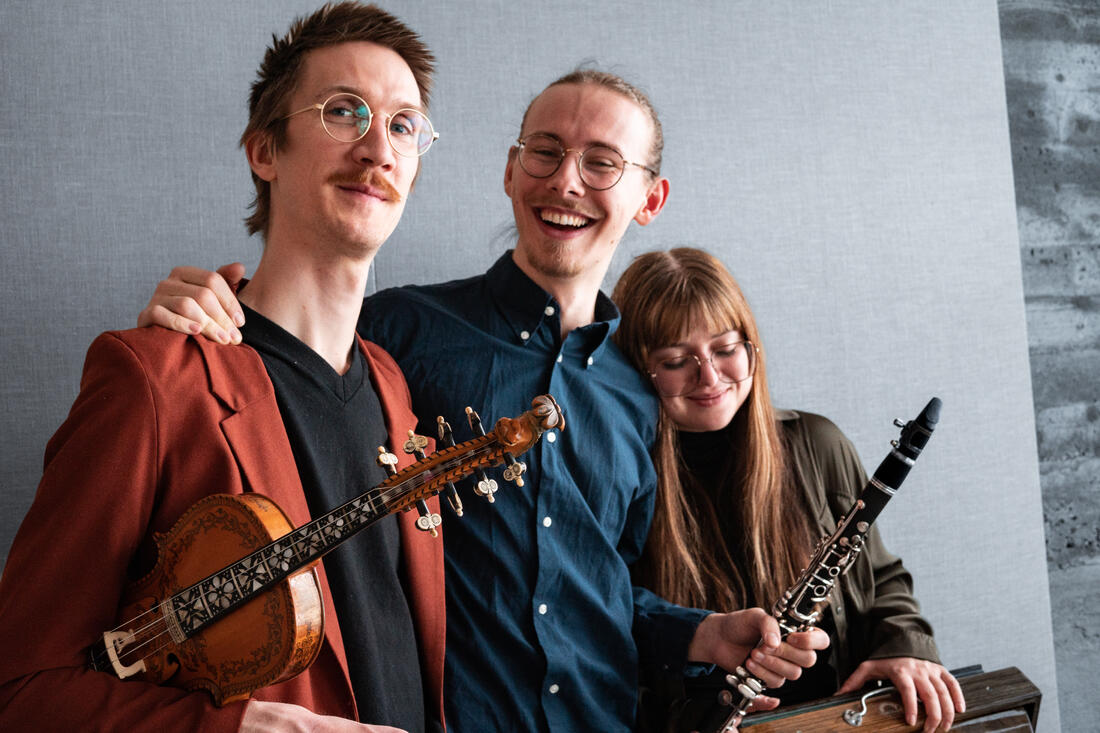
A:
335	425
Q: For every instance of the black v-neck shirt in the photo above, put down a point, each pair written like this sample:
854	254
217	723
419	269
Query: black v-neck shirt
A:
335	425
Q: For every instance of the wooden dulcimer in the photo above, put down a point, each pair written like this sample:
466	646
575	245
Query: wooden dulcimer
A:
233	603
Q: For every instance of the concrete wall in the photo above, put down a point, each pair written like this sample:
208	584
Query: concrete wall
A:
1052	82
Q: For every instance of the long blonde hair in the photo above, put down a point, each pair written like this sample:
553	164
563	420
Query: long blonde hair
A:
663	296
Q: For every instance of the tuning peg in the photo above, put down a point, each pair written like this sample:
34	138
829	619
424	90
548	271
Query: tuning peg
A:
485	486
427	521
475	421
447	440
387	460
898	423
515	469
416	445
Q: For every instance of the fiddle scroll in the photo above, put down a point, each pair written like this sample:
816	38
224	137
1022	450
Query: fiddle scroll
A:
801	606
233	603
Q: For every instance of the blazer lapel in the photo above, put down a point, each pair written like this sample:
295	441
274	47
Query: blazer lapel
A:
423	554
258	439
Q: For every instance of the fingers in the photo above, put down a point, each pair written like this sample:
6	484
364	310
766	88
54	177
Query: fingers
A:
948	694
224	307
196	301
908	693
761	703
159	315
932	712
786	662
955	690
233	273
772	670
854	682
813	639
943	704
770	638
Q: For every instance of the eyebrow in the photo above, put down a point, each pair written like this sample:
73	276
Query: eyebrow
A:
343	88
710	342
594	143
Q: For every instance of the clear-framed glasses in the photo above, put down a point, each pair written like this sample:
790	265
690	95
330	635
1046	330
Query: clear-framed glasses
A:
678	375
600	167
347	117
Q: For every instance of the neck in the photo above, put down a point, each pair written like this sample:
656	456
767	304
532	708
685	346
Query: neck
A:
316	300
575	294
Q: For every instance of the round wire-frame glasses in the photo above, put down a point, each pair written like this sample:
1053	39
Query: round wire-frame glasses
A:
732	363
600	167
347	117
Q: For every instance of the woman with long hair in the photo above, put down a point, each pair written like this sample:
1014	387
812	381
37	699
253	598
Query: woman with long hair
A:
745	491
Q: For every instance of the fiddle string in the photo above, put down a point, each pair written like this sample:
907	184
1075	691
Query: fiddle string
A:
384	494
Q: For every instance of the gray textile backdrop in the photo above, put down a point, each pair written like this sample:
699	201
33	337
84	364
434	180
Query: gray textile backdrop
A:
849	160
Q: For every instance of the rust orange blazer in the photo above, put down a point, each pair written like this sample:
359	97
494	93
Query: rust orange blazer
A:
162	420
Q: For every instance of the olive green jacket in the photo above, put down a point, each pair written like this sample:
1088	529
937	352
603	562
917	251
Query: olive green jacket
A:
874	612
873	607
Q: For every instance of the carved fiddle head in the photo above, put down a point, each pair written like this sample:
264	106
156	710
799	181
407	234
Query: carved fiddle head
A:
520	433
546	408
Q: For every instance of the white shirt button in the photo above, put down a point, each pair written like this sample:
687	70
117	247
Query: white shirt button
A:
554	689
546	522
524	335
543	609
558	360
548	310
551	437
590	360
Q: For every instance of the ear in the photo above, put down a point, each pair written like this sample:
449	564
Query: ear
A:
508	170
260	149
655	200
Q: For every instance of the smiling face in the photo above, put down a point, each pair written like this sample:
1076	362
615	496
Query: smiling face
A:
714	400
567	230
341	197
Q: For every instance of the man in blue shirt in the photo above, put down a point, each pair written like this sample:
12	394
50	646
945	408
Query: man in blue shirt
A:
545	631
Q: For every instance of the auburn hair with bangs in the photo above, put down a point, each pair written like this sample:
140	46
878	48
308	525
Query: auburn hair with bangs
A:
663	297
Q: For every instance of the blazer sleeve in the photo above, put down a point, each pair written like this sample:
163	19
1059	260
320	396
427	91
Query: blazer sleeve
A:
68	565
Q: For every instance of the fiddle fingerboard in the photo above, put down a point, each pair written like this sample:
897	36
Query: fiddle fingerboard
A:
216	595
204	602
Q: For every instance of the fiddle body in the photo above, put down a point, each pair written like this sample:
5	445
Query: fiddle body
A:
270	638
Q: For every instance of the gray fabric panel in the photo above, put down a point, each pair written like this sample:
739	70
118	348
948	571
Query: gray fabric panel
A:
849	161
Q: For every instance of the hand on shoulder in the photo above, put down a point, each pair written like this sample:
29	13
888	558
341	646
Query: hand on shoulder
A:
196	301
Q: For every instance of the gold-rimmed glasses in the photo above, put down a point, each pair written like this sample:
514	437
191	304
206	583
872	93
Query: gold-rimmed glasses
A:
347	118
600	167
677	375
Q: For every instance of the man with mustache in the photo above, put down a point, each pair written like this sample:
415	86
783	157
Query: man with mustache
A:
337	124
545	631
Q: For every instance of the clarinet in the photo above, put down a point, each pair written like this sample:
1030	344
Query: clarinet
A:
801	606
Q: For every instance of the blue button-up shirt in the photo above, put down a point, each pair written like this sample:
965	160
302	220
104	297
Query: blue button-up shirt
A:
544	630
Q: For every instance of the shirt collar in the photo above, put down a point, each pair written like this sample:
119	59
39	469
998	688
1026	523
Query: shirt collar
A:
527	307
